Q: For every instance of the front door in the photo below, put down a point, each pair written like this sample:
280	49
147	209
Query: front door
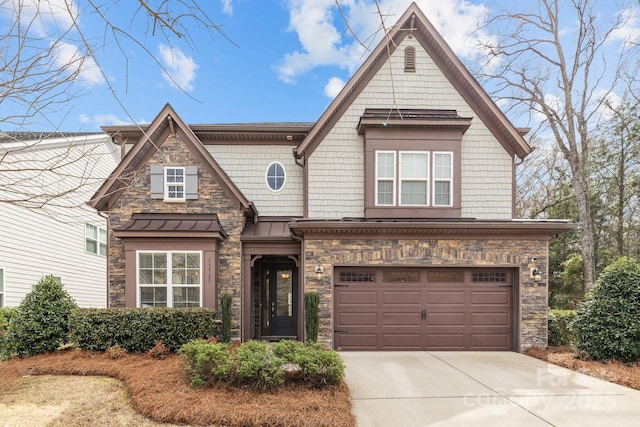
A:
279	300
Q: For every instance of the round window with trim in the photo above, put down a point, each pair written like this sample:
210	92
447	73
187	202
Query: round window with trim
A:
276	176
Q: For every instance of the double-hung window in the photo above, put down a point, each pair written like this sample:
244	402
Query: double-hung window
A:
414	178
174	180
95	240
170	279
385	178
442	178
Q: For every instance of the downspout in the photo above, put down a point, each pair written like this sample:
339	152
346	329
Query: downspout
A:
302	278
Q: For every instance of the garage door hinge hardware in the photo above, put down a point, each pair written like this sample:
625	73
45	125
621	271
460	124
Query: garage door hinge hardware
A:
340	286
339	331
505	286
423	314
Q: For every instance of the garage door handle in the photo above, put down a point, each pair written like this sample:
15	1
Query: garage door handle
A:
424	314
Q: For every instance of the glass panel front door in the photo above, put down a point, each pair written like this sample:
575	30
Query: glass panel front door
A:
279	300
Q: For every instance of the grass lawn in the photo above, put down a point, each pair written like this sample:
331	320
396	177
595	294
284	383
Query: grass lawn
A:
157	389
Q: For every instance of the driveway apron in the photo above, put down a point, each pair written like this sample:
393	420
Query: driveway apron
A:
420	388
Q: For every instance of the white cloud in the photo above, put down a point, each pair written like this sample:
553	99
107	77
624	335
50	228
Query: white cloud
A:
68	57
107	120
608	102
180	68
629	33
333	87
324	40
227	7
44	17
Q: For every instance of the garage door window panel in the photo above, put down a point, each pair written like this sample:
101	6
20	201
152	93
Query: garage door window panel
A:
394	276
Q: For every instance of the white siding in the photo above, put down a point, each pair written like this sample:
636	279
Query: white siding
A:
336	168
51	240
246	166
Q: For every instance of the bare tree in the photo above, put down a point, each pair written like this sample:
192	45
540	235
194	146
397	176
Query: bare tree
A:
552	61
47	59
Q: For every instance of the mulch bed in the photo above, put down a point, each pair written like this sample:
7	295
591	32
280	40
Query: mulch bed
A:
159	390
613	371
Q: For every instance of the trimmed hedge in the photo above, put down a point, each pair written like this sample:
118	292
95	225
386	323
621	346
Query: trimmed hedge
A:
560	327
139	329
312	315
6	314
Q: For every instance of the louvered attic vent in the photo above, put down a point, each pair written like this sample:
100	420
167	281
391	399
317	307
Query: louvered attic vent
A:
410	59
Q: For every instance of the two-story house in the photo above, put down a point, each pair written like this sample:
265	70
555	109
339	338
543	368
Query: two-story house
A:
397	206
47	228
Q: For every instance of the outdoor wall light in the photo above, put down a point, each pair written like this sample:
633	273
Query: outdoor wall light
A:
319	271
536	274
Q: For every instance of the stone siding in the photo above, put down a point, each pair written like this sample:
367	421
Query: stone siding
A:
532	310
211	199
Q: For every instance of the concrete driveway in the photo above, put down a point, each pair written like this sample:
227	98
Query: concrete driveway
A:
480	389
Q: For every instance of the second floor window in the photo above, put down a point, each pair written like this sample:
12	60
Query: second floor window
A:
174	183
95	240
414	178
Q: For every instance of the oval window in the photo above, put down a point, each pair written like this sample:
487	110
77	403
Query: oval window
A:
276	176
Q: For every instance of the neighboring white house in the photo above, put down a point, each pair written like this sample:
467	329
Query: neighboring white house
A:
46	226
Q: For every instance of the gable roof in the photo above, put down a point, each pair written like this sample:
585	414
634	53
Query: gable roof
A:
167	122
414	22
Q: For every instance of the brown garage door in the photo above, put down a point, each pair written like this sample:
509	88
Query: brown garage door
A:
423	309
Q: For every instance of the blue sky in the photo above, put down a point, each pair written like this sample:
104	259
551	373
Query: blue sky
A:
287	61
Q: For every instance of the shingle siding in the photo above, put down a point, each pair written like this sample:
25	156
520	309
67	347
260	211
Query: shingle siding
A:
338	191
247	165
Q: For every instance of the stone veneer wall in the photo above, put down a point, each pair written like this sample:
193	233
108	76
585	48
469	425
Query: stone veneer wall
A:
211	199
413	252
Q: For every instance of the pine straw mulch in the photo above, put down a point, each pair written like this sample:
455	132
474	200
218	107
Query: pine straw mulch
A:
159	390
613	371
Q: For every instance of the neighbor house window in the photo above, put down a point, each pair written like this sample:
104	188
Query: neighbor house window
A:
409	174
275	176
1	287
169	279
95	240
174	180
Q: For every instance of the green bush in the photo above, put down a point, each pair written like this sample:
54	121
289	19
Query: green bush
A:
311	315
258	367
319	366
560	327
139	329
207	362
6	314
226	301
608	324
262	366
42	321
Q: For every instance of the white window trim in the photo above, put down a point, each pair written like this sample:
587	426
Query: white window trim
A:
266	177
431	180
449	180
400	180
98	241
183	184
378	179
169	285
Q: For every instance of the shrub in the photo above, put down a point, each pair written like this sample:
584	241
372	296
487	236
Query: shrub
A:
319	366
311	315
159	351
6	314
560	327
42	321
116	352
225	306
608	324
258	367
139	329
207	362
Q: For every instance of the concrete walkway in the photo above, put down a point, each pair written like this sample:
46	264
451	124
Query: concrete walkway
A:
480	389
